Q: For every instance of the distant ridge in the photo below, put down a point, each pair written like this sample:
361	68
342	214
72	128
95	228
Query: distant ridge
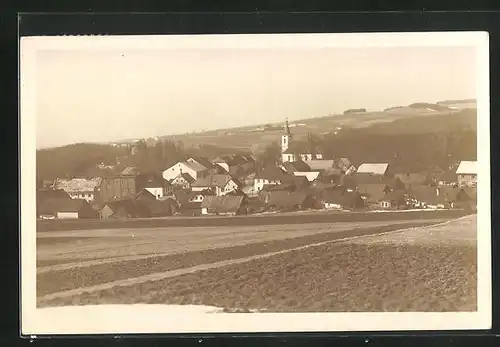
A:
450	102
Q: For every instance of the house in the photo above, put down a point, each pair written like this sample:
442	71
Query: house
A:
125	208
63	208
373	168
224	205
447	178
284	200
235	165
201	161
373	188
320	165
342	199
394	200
220	184
429	197
117	187
200	196
192	168
103	211
269	175
155	184
295	166
300	168
162	208
79	188
393	183
467	173
293	151
461	197
182	181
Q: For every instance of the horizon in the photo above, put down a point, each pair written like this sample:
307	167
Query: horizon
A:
128	140
111	95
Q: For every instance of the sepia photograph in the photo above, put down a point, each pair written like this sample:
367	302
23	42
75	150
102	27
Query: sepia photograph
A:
255	183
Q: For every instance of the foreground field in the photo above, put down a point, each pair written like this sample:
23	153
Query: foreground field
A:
343	269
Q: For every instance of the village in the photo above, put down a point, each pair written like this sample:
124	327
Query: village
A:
301	180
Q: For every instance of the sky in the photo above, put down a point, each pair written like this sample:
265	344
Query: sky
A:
111	94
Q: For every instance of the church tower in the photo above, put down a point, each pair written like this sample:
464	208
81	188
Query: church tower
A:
286	138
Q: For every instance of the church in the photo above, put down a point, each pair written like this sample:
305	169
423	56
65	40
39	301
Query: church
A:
293	150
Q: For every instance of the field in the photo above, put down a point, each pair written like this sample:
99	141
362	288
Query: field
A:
401	120
343	266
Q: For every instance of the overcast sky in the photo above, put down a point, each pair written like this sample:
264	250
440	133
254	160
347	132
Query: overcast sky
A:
110	95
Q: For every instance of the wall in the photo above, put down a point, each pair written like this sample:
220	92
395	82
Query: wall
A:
467	179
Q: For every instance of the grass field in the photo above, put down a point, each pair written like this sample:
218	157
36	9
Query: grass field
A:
306	269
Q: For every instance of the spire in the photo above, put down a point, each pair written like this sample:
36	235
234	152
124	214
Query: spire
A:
287	128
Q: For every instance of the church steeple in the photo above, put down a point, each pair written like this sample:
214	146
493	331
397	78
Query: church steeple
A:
286	138
287	128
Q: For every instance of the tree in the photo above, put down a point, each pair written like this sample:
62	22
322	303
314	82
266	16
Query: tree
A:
269	155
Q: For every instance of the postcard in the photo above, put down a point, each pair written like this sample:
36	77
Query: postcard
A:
255	183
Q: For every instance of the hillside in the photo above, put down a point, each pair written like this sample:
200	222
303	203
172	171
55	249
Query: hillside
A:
360	135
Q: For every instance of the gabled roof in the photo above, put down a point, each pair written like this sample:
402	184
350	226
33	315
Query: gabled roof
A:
130	171
132	207
448	176
76	185
320	164
296	166
54	205
467	168
271	173
223	204
216	180
194	165
201	161
151	181
374	168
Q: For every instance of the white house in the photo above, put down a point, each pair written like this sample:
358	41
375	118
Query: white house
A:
467	173
193	169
